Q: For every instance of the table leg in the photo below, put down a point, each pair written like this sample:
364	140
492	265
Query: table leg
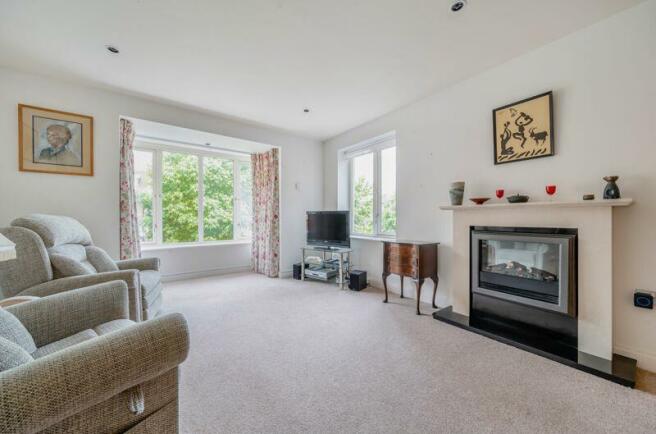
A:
341	272
401	286
385	286
436	281
302	264
419	283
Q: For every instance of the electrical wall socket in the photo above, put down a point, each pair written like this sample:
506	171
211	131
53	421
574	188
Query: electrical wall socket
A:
643	299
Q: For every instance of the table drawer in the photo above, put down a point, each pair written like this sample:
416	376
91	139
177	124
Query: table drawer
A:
401	259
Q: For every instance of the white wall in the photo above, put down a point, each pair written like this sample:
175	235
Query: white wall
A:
94	200
603	78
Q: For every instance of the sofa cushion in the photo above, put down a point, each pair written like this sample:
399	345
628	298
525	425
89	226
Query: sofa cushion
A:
100	260
14	331
55	230
12	355
64	266
112	326
61	344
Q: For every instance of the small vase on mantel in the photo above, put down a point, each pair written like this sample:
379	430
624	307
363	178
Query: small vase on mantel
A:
612	191
457	192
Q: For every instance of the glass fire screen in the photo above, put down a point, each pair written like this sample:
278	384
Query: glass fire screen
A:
529	260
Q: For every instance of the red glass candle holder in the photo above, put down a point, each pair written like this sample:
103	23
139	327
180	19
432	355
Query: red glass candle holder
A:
550	189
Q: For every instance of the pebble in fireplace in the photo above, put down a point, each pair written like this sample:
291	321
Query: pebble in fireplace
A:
514	268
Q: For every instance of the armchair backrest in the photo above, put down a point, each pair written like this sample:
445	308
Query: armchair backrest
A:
31	266
55	230
68	243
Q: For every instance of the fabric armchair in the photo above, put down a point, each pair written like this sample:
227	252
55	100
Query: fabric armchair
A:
130	277
56	253
125	379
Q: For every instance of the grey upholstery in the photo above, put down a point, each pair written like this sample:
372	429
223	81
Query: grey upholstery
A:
123	380
12	330
84	335
150	280
55	230
31	266
112	326
61	248
61	344
12	355
67	265
100	260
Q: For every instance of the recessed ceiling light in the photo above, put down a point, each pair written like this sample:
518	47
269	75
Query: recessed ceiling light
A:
112	49
457	5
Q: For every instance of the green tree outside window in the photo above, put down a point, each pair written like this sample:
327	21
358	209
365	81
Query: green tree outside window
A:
363	207
179	198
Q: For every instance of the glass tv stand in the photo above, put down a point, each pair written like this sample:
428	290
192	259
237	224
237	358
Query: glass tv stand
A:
341	265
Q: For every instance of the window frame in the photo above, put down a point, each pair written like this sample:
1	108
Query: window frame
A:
373	146
157	149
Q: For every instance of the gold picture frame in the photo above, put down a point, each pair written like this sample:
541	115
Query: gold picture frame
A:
524	129
54	141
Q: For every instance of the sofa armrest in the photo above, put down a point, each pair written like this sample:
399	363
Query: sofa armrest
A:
6	302
57	316
130	277
141	264
41	393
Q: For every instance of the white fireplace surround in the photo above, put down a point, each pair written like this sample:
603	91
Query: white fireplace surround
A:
594	221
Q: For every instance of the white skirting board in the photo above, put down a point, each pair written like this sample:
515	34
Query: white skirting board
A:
204	273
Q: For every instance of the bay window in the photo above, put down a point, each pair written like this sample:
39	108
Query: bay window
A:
191	196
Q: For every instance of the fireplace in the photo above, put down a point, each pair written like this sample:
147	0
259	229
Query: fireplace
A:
515	278
524	284
534	267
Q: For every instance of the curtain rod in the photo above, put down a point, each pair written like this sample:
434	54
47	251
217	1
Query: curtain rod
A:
199	145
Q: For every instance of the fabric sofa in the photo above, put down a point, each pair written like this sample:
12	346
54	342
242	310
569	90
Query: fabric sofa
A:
75	362
56	253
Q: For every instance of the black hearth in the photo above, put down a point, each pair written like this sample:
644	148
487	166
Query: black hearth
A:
523	282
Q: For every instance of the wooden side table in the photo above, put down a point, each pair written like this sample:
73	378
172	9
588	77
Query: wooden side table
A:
414	259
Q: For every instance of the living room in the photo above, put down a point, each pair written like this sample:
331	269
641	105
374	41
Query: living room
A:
169	168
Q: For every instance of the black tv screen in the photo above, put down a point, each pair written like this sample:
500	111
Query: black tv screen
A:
328	228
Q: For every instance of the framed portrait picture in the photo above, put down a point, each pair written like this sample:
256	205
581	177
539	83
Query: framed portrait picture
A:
524	130
52	141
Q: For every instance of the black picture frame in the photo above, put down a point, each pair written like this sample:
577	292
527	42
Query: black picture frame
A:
549	132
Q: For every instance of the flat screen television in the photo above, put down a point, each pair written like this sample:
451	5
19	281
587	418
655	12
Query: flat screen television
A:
328	228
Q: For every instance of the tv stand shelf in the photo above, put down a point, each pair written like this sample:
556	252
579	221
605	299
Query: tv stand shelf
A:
342	267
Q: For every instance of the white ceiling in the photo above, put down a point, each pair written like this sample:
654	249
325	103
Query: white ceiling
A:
265	60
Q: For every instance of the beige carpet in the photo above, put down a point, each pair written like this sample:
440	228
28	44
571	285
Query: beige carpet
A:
276	355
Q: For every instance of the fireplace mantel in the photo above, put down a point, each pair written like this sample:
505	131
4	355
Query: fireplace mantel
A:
554	204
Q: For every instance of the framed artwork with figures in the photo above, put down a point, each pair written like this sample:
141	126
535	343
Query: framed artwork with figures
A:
53	141
524	129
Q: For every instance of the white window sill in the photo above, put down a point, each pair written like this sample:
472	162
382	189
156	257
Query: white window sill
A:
372	237
156	247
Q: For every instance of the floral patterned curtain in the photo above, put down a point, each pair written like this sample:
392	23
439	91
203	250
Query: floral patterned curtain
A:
129	226
265	254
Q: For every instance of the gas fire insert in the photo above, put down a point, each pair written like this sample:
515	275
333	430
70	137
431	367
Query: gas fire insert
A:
529	266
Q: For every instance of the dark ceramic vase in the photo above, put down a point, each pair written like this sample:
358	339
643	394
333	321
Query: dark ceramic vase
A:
612	191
